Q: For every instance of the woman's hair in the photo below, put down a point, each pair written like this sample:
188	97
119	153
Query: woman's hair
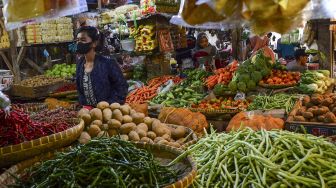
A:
94	34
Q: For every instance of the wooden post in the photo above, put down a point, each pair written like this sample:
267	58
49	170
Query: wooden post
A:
14	55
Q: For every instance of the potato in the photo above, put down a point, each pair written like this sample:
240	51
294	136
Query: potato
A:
305	100
161	129
133	136
179	132
145	139
107	114
138	118
114	106
327	102
114	124
132	111
166	137
84	138
163	142
102	134
102	105
112	132
127	127
307	115
148	121
143	126
334	110
93	130
124	137
96	114
308	105
87	119
174	144
82	112
300	111
116	114
157	139
125	109
97	122
127	119
330	117
155	123
141	132
313	119
299	118
104	127
181	141
317	99
321	118
151	135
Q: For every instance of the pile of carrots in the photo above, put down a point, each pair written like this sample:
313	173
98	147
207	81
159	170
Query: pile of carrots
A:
279	77
222	76
146	93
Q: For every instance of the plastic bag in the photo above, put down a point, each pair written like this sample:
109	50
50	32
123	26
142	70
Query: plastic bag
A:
18	13
4	102
166	87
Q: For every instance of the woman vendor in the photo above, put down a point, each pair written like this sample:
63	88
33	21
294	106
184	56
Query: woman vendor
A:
203	49
257	43
98	78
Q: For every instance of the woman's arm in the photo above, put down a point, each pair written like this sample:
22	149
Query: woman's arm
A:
78	81
119	83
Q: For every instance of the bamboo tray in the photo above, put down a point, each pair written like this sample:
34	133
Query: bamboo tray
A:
35	92
217	114
15	153
164	154
63	94
30	107
279	86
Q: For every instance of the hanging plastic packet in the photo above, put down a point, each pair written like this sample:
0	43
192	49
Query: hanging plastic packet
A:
18	13
166	87
240	96
4	102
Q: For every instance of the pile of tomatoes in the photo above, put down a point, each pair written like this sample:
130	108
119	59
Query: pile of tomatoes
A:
221	104
281	77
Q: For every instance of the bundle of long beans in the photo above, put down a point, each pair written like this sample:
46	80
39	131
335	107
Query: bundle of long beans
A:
263	159
107	162
277	101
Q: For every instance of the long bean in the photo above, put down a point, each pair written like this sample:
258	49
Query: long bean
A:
264	159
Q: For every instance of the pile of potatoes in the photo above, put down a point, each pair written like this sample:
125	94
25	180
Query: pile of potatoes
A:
121	120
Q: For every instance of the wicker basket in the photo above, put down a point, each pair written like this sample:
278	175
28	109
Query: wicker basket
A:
268	86
217	114
63	94
35	92
12	154
31	107
164	154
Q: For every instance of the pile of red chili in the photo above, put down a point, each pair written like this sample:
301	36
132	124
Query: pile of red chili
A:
57	117
18	127
70	87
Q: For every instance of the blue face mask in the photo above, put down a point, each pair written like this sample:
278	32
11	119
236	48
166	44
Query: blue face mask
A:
83	48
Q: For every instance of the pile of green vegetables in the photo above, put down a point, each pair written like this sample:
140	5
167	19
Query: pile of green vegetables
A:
271	102
315	81
62	70
250	73
107	162
190	91
263	159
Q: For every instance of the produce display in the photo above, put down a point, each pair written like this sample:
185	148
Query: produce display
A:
222	76
255	122
221	104
184	94
144	37
315	82
317	108
250	73
18	127
62	70
56	117
250	158
271	102
40	80
279	77
53	103
222	90
146	93
65	88
115	119
101	163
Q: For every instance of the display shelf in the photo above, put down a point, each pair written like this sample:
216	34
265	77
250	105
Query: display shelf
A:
50	43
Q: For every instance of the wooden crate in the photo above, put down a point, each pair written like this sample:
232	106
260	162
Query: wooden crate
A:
314	128
35	92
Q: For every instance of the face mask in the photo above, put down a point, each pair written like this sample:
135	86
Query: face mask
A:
83	48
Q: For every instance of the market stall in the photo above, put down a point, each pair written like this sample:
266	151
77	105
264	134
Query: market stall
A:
219	94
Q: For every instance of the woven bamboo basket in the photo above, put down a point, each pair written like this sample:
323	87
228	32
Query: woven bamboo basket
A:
217	114
31	107
268	86
12	154
164	154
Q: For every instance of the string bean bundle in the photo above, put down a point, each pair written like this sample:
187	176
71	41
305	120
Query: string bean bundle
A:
277	101
263	159
101	163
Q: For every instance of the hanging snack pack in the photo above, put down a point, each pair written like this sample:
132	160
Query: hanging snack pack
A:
19	13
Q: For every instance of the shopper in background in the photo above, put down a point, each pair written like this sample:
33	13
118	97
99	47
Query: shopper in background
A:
300	62
257	44
203	51
98	78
